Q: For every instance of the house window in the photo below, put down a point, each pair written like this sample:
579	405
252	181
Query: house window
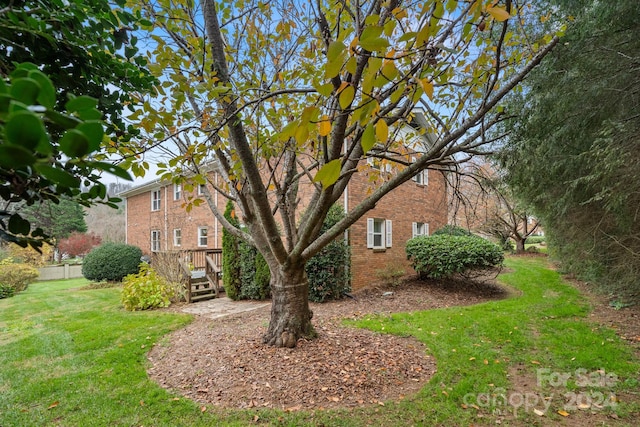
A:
155	240
177	191
202	236
200	189
422	177
376	163
420	229
155	200
177	237
379	233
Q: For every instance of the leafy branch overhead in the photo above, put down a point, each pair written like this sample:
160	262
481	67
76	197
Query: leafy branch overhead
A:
52	143
34	166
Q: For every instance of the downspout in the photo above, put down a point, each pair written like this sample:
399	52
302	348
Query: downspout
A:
215	201
166	218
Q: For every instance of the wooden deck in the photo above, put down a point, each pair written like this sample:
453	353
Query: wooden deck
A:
201	272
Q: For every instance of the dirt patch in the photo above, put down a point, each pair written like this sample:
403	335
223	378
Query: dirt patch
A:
224	362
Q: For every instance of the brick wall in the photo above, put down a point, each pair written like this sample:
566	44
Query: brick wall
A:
141	220
405	205
409	203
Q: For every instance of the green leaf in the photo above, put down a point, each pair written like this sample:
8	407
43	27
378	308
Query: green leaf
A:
47	94
25	90
74	144
329	173
371	39
62	120
81	103
335	50
332	68
59	176
346	97
25	128
19	225
15	156
112	169
94	132
90	114
368	138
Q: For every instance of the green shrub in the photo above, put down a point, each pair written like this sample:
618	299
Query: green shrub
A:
6	291
443	255
453	230
534	240
231	279
16	275
328	271
145	290
254	274
111	261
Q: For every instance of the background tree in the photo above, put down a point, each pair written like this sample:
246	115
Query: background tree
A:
285	94
573	153
50	139
78	244
57	220
485	204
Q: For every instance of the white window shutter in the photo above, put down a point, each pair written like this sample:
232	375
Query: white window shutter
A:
415	177
369	233
426	228
415	229
388	231
425	177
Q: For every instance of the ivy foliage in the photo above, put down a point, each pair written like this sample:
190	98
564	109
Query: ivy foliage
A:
146	290
231	271
442	256
112	262
328	271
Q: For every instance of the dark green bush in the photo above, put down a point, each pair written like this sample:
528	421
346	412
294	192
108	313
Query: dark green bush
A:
443	255
328	271
6	290
254	273
111	261
453	230
231	274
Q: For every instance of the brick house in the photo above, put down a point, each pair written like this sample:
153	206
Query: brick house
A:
156	220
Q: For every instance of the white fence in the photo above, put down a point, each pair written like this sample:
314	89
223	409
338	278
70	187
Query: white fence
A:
59	272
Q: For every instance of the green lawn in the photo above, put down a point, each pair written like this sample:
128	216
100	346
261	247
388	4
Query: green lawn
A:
71	357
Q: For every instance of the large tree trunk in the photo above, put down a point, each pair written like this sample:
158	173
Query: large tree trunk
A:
290	313
520	245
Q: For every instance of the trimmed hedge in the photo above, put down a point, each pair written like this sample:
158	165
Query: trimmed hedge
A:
442	256
231	274
328	271
112	262
254	274
453	230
